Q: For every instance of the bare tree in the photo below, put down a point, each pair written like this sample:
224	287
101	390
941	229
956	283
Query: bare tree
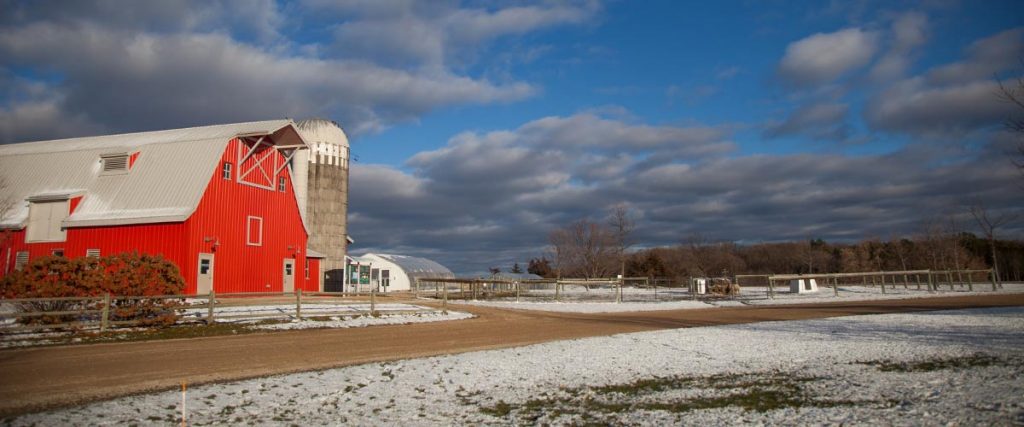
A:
1015	123
561	250
6	208
622	224
988	225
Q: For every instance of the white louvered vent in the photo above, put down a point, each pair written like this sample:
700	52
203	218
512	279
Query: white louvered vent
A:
92	253
21	260
115	163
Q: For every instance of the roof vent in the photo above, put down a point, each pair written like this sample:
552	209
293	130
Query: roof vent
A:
114	163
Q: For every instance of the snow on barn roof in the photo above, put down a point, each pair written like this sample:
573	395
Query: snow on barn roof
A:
413	266
165	184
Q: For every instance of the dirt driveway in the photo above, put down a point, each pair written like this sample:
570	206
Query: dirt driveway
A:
42	378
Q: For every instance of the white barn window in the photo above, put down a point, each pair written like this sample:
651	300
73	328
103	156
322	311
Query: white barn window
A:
254	231
44	221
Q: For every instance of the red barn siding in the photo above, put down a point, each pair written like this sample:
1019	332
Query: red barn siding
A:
218	226
222	217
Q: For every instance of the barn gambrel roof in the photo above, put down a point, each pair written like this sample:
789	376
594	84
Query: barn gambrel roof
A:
165	184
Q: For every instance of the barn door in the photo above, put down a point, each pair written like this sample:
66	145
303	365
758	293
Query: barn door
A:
289	275
204	276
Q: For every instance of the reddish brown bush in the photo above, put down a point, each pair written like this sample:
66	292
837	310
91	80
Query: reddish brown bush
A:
127	274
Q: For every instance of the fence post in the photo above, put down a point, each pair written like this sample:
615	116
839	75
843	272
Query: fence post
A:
517	291
105	317
444	300
618	292
298	304
771	288
917	280
835	285
992	274
883	283
970	281
211	300
373	301
931	282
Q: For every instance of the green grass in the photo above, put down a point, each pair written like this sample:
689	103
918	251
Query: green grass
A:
938	364
747	392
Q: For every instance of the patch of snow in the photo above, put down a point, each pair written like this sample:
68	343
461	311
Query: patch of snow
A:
363	321
453	389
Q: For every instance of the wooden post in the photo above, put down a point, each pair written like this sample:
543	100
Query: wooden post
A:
970	281
373	301
298	304
558	287
873	281
444	301
917	280
949	278
835	285
105	316
771	288
211	299
864	279
618	292
517	291
931	282
693	289
960	277
906	281
992	274
883	283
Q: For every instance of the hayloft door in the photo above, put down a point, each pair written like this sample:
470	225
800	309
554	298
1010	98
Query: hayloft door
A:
289	275
204	276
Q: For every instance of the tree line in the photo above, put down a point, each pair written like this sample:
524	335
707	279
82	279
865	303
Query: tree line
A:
591	249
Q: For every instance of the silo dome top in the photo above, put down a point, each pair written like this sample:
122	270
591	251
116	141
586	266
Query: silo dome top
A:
317	130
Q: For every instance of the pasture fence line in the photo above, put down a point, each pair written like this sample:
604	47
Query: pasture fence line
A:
931	279
99	312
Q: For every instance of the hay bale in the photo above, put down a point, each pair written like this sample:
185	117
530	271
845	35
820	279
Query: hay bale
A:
723	287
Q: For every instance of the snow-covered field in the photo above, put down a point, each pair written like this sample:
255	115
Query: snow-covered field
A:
959	367
602	301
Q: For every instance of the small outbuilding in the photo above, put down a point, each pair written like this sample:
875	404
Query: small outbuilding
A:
396	273
803	286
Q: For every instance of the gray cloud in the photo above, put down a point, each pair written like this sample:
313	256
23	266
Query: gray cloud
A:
951	100
823	121
434	34
824	57
491	199
115	66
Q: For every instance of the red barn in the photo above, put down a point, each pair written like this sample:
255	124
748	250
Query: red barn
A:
218	201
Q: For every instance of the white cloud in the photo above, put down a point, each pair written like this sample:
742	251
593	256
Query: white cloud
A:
824	57
908	32
145	81
985	58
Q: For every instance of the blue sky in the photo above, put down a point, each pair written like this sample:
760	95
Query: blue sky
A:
481	126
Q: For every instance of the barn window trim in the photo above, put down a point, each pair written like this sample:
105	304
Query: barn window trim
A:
226	171
57	209
249	222
282	184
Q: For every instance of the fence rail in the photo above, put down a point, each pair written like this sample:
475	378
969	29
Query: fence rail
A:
101	311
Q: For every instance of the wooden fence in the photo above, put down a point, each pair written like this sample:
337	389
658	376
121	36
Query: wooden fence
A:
95	312
931	279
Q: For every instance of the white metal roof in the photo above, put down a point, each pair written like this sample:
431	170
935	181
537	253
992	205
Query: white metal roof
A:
413	266
165	184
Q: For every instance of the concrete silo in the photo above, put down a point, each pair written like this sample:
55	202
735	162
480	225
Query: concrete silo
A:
321	181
